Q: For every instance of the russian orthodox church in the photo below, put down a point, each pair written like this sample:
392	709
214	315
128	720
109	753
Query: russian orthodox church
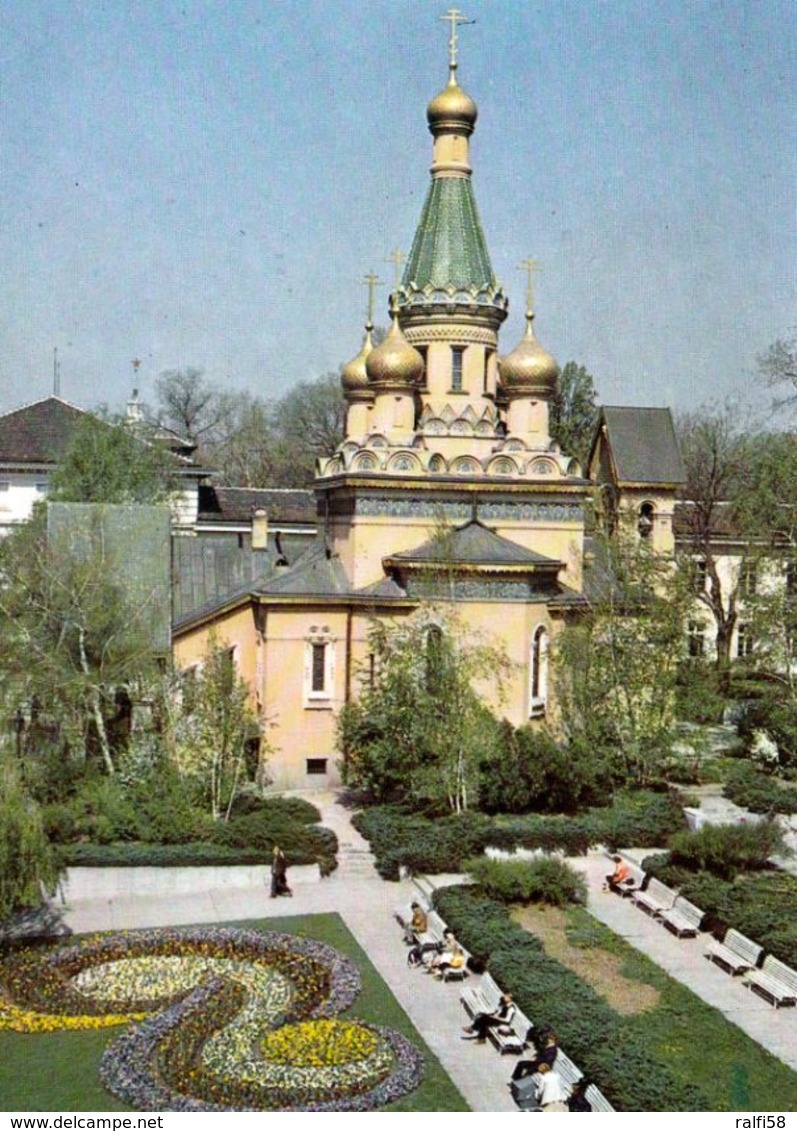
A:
443	433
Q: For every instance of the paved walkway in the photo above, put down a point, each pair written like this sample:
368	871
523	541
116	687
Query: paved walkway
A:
683	959
366	903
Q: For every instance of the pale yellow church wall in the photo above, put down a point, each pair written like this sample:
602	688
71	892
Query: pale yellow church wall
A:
232	630
299	725
663	503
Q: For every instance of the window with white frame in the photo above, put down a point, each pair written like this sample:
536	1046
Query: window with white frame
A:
745	645
696	639
538	673
748	579
319	667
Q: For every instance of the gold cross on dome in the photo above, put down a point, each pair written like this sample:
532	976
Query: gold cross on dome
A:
397	258
371	281
531	267
454	17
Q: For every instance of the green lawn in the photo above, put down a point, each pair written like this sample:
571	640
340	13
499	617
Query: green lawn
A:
692	1038
58	1071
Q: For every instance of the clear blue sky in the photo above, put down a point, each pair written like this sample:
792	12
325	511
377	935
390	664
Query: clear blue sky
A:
197	183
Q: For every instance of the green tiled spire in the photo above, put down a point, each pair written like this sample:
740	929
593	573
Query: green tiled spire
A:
449	251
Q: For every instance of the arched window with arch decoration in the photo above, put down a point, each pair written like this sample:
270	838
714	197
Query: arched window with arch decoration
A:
538	673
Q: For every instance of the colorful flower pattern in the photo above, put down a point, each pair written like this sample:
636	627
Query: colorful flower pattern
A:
226	1019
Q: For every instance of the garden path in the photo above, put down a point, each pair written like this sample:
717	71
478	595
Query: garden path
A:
683	959
366	904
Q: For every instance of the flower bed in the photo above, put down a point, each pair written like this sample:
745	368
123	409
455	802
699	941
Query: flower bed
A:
232	1019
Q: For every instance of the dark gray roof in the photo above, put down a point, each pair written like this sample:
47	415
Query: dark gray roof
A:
473	544
238	504
386	587
38	433
315	574
642	444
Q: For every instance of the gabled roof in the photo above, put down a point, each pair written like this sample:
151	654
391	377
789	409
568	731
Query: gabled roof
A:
316	573
471	545
238	504
38	433
642	446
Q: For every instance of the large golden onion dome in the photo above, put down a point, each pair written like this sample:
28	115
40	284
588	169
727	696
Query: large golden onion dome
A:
354	375
529	369
452	109
394	362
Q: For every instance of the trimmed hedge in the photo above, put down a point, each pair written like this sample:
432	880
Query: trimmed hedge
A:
545	880
596	1037
758	792
761	905
400	838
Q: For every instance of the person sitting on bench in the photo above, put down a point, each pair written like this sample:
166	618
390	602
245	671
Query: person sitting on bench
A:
620	876
418	924
547	1055
451	958
483	1022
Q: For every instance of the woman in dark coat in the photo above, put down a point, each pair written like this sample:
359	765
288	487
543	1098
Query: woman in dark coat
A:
279	873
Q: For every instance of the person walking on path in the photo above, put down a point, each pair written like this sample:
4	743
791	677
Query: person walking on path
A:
279	873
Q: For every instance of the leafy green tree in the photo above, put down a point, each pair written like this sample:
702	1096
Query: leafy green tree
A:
717	453
109	461
214	727
574	411
616	668
419	729
69	636
27	864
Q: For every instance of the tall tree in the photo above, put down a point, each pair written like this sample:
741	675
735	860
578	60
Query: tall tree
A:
108	461
574	411
616	668
717	456
778	364
69	635
309	421
188	403
419	729
213	725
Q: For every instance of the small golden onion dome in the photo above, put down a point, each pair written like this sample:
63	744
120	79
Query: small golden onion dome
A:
353	375
451	109
529	368
394	361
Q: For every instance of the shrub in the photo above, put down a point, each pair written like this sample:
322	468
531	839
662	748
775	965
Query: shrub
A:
546	880
26	858
726	850
758	792
531	772
400	838
698	696
602	1043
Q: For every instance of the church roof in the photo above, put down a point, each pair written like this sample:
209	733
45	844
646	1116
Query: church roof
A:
449	250
316	573
642	444
38	433
473	544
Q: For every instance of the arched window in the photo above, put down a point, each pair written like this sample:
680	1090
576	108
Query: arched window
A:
645	522
538	673
434	658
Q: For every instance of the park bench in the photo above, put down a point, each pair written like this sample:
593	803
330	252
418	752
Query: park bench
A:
735	953
683	918
775	981
656	897
483	998
512	1037
596	1099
